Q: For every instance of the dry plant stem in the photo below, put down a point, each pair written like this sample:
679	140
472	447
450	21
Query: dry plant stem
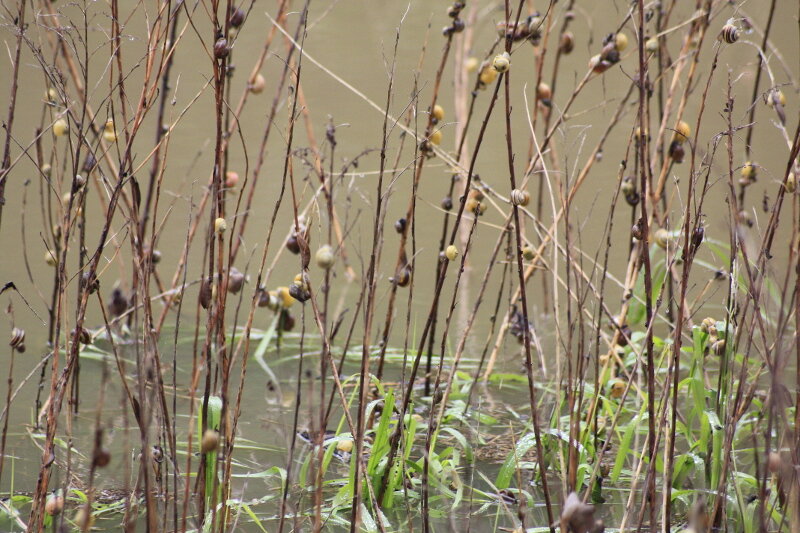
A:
59	381
690	228
522	292
371	286
645	251
410	379
751	117
5	166
7	411
538	253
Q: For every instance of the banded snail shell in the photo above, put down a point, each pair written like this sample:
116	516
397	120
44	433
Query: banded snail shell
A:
729	33
17	338
520	197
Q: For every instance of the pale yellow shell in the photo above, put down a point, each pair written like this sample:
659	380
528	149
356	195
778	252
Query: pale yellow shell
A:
220	225
620	42
258	84
451	252
502	62
324	257
60	127
662	237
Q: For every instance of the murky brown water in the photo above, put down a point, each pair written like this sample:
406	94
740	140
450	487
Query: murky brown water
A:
354	39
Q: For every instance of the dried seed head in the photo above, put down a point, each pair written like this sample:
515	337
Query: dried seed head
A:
502	62
438	112
210	441
221	49
258	84
451	252
231	179
325	257
729	33
60	127
520	197
235	280
707	324
220	225
620	41
567	43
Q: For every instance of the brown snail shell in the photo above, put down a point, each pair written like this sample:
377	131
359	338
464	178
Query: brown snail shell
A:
205	293
235	280
221	49
567	43
403	276
210	441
